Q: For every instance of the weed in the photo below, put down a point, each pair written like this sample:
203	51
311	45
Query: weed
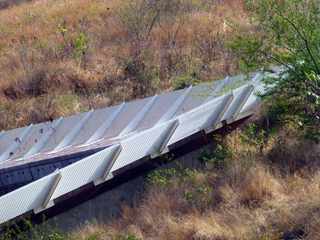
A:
255	135
184	81
80	47
199	196
216	158
127	237
94	236
162	177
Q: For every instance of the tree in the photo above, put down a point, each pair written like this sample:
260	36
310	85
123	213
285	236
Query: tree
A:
287	34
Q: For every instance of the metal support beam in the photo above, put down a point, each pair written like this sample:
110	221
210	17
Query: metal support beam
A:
106	174
215	117
175	106
162	147
114	157
67	140
218	88
139	117
108	122
241	101
52	189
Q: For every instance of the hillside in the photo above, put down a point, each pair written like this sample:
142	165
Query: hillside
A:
60	57
262	181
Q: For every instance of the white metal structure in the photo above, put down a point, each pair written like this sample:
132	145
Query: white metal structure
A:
128	132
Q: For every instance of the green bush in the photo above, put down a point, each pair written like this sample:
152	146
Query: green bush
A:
28	231
287	34
215	158
162	177
199	196
81	45
184	81
94	236
255	135
127	237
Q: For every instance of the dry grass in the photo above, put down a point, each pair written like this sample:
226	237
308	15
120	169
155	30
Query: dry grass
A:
246	200
84	48
58	57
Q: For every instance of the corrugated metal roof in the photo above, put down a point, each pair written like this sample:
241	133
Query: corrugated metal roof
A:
103	127
127	132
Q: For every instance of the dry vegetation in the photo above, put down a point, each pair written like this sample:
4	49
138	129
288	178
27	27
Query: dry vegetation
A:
249	192
58	57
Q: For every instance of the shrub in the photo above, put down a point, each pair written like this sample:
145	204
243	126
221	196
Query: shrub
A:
162	177
80	47
127	237
26	230
216	158
287	33
184	81
255	135
199	196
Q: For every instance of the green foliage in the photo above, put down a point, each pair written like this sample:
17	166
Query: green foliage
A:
199	196
287	33
27	231
165	176
81	43
57	236
62	29
197	193
216	158
127	237
94	236
255	135
246	47
162	177
74	44
184	81
67	103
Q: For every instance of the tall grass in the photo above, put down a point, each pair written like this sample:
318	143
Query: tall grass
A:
251	197
95	51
